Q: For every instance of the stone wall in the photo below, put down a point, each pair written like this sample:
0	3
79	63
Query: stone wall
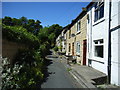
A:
9	49
80	37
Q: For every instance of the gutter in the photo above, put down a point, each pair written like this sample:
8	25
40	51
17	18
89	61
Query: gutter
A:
109	46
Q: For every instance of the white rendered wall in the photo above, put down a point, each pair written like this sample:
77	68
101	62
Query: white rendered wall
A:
98	30
115	44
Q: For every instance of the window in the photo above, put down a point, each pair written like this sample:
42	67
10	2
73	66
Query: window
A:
69	33
99	48
66	35
88	18
99	10
69	47
78	26
78	48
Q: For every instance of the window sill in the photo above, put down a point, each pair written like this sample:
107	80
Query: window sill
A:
99	59
77	54
98	21
96	60
78	32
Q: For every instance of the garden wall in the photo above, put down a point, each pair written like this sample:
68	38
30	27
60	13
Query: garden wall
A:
9	49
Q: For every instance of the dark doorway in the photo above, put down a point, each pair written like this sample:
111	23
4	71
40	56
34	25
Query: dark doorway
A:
73	49
84	51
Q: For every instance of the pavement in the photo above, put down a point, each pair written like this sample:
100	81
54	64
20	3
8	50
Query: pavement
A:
86	76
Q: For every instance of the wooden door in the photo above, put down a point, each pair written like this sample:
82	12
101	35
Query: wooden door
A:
84	51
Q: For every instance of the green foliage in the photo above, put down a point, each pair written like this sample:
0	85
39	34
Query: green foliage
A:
27	68
56	29
25	73
44	48
55	48
29	24
20	35
50	34
51	37
43	35
7	21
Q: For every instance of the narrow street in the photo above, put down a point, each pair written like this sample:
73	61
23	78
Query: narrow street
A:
59	76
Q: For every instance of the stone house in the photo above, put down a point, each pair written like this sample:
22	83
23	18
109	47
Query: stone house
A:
61	41
80	38
58	43
76	38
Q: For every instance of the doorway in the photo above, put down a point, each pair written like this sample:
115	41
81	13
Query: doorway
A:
84	51
72	49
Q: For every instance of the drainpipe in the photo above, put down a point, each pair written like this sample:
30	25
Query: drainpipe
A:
109	46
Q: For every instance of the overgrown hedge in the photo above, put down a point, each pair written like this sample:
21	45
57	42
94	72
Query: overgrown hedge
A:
27	69
20	35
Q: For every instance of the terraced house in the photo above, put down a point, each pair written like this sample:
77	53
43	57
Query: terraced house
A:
76	38
61	41
93	38
103	34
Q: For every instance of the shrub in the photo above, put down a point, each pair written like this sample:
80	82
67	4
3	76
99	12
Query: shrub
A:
20	35
25	73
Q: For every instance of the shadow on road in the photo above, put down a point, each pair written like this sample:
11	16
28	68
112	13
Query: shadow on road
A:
46	73
47	62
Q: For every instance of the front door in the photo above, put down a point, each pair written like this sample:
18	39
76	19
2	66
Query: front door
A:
84	51
72	49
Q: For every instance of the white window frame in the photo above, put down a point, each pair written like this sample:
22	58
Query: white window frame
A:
78	26
98	44
77	44
99	5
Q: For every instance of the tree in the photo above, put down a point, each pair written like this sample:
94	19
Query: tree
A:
23	21
16	22
51	37
43	35
56	29
37	27
7	21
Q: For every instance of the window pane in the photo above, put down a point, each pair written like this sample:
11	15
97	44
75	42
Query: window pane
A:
101	41
79	48
96	15
69	47
96	5
101	11
78	26
99	51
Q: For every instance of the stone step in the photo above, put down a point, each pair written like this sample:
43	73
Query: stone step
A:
81	80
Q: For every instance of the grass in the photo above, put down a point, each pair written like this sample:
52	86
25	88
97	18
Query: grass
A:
69	69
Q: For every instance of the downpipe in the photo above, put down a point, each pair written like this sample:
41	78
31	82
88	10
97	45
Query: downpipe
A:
109	46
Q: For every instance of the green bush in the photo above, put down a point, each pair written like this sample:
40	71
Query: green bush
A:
20	35
25	73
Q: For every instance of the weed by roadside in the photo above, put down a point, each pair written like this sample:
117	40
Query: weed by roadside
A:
69	69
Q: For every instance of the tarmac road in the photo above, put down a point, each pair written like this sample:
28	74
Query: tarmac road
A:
59	77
